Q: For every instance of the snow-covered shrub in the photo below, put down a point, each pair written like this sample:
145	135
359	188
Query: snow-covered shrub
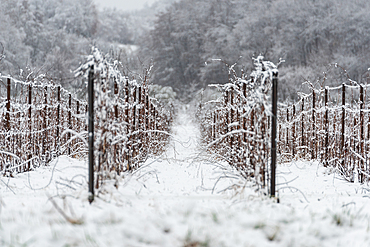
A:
40	123
129	125
330	123
235	127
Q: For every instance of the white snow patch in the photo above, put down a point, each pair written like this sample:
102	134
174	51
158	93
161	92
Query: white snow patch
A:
173	201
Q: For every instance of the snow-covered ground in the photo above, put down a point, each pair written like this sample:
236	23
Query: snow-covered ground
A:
179	200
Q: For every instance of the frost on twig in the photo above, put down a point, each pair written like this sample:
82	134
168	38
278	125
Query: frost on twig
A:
236	126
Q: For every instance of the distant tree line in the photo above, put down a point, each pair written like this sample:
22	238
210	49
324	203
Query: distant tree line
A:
182	38
307	34
53	36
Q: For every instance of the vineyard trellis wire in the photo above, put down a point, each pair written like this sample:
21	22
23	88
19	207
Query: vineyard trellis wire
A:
41	120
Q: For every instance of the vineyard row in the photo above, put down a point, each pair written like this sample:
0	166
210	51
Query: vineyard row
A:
41	121
330	124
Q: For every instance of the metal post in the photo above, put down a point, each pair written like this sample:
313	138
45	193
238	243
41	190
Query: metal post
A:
69	122
8	104
362	130
313	156
91	133
44	140
57	140
30	124
302	130
326	127
273	131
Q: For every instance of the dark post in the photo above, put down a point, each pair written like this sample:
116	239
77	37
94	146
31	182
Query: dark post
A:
91	133
326	127
44	140
293	132
134	110
362	115
245	90
343	121
227	112
116	118
273	131
313	125
231	139
78	126
127	119
116	98
127	105
287	131
244	125
30	122
8	105
69	121
58	120
302	128
362	129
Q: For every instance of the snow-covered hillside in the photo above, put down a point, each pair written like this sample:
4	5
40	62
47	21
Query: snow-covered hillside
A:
182	199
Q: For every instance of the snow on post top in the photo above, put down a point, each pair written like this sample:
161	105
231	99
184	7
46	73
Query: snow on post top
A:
263	70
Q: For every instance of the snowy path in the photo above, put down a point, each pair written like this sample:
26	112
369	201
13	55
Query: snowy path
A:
169	202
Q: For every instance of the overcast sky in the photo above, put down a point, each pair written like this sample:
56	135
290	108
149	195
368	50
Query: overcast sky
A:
123	4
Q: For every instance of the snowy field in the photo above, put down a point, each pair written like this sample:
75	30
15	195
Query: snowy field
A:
179	200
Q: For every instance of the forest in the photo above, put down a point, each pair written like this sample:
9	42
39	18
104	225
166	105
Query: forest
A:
188	42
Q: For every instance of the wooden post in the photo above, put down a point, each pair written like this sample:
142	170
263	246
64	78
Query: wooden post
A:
343	123
127	106
147	123
140	121
78	113
214	126
244	125
313	147
116	98
58	121
245	90
128	129
368	124
287	131
273	131
134	112
8	88
252	142
362	153
293	132
231	117
326	126
116	164
91	133
302	128
69	121
45	124
30	124
227	112
7	115
264	152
